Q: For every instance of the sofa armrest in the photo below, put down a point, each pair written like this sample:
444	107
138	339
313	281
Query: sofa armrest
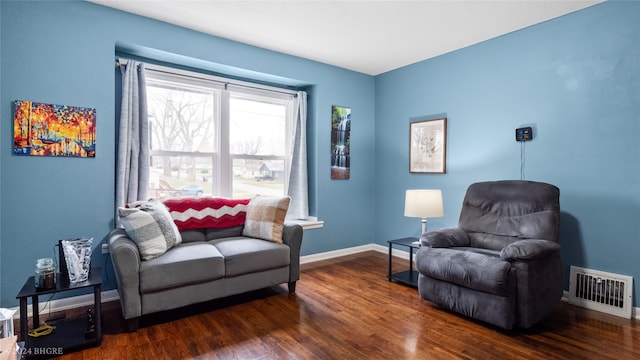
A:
126	264
444	238
292	236
529	249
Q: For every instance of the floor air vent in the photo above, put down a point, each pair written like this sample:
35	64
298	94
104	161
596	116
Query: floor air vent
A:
601	291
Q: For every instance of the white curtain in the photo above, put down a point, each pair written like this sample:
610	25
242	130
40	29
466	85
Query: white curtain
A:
298	184
132	169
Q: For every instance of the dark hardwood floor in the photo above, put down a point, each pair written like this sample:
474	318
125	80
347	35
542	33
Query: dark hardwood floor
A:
346	308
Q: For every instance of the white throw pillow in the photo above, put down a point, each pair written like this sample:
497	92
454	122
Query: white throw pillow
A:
151	227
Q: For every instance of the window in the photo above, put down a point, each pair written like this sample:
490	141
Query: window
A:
208	138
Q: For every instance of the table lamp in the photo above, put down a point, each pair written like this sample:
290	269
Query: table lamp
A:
423	204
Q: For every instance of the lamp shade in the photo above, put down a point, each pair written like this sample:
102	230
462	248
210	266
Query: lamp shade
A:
423	203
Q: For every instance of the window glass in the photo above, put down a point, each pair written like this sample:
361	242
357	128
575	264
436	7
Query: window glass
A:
207	140
173	176
253	177
257	126
182	117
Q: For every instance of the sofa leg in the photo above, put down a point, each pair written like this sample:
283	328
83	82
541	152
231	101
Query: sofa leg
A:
292	287
132	324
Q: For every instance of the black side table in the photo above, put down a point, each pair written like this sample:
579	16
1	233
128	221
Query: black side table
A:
409	277
69	335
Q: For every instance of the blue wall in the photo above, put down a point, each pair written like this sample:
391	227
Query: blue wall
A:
576	80
63	53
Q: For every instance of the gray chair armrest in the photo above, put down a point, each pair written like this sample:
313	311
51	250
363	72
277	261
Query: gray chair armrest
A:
529	249
443	238
292	236
126	264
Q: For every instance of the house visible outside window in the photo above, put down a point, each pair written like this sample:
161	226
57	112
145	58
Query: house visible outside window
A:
213	138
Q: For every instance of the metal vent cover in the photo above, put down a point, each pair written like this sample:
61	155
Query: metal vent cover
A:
601	291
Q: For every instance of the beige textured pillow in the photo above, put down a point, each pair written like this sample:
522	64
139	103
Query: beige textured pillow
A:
265	217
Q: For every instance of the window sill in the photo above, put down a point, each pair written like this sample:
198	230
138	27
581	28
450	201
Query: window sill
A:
311	223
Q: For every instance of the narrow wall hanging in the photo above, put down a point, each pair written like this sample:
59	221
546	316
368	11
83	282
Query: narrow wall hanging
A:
427	148
53	130
340	142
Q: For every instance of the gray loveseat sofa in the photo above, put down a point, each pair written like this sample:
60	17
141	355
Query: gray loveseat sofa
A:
502	263
207	264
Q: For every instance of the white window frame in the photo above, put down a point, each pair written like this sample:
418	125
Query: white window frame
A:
222	157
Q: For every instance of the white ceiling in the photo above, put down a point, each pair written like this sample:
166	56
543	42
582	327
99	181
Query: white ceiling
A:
371	37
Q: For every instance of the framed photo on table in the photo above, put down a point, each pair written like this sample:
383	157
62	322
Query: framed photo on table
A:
427	146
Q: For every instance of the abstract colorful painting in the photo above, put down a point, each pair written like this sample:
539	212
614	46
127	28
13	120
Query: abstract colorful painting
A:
53	130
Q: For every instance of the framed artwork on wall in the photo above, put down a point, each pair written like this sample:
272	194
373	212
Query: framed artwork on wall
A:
340	142
41	129
427	146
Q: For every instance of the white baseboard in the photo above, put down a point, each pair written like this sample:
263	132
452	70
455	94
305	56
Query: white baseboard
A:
306	259
112	295
350	251
69	303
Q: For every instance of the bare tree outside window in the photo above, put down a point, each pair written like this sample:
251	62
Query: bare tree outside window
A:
182	121
186	123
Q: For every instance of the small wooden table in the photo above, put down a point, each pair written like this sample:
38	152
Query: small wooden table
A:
409	277
69	335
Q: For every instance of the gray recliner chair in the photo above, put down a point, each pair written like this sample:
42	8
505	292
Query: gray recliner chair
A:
502	264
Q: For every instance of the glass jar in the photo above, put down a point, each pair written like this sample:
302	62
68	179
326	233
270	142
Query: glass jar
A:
45	278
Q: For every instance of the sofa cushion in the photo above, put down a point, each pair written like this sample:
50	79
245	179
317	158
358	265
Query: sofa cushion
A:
484	272
185	264
193	235
150	226
265	217
212	234
207	212
244	255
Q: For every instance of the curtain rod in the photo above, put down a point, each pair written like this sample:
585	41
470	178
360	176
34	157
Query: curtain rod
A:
206	77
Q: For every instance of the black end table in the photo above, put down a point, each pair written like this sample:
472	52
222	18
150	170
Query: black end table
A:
69	335
409	277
